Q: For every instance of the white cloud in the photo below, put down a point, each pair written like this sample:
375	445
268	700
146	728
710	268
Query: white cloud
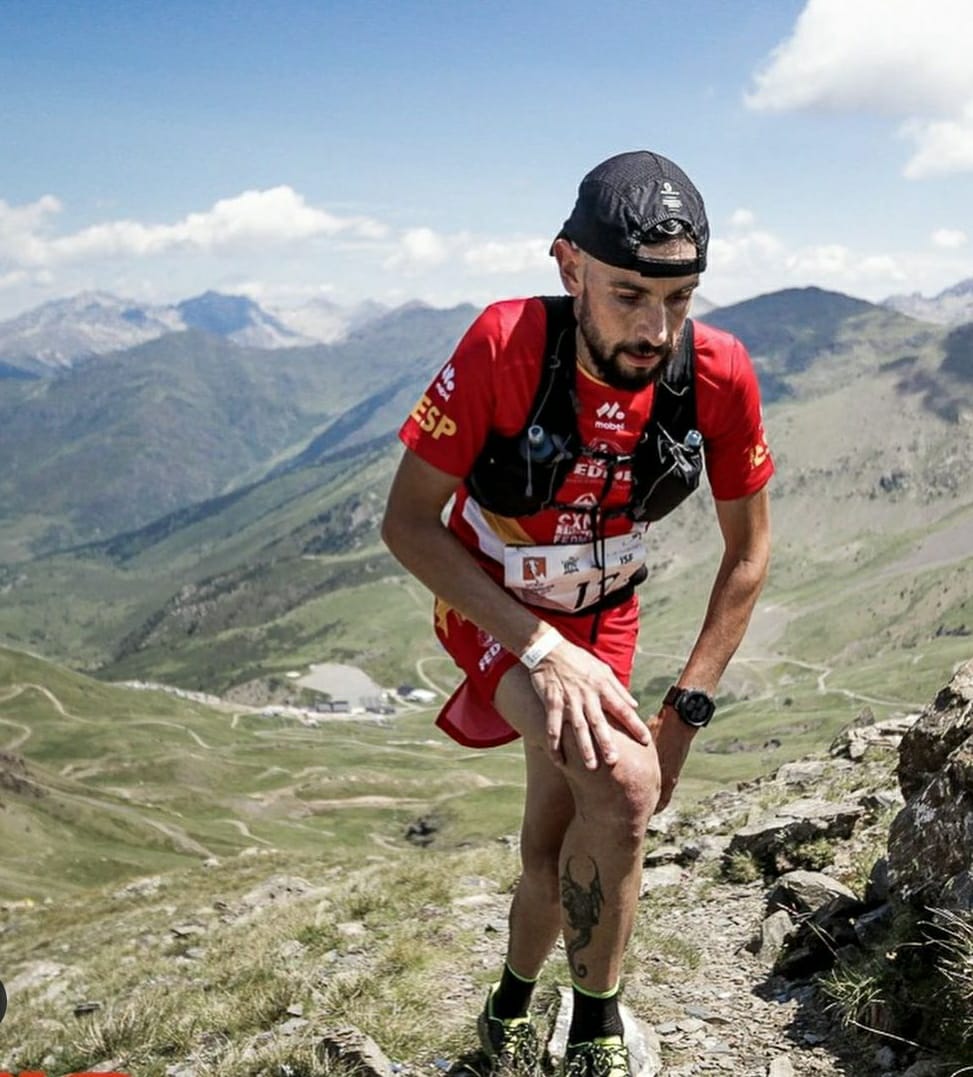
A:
514	256
419	248
942	146
275	216
949	238
752	260
11	280
742	218
904	58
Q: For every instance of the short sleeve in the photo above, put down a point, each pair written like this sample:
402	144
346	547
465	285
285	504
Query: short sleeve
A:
738	459
487	384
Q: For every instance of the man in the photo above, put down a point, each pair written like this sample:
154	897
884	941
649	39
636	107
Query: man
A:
556	433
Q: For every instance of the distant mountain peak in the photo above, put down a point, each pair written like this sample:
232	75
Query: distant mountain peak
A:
952	306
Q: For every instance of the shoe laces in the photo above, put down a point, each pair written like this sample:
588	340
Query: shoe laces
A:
519	1049
605	1059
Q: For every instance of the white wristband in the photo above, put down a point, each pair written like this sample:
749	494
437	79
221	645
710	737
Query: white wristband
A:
538	651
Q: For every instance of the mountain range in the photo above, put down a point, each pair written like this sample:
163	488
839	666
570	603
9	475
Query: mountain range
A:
196	511
63	332
952	306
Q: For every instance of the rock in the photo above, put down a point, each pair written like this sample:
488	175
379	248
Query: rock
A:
351	1048
351	929
885	1057
877	889
185	931
277	890
663	854
931	839
81	1008
802	772
872	926
926	1068
654	878
780	1067
146	887
774	841
769	940
941	728
810	891
642	1042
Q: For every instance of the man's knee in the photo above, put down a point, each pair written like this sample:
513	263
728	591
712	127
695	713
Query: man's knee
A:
623	796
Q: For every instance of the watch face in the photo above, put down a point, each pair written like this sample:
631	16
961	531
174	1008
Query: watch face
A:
696	708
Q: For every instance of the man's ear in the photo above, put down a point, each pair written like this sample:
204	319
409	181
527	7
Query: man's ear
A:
569	264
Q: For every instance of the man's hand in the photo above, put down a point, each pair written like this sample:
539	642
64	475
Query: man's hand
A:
582	692
673	739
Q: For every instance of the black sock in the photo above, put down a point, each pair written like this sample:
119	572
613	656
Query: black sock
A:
594	1016
512	996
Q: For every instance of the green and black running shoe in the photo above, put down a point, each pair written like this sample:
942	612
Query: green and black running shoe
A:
510	1044
607	1057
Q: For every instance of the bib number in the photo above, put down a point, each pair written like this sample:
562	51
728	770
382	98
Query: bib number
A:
567	577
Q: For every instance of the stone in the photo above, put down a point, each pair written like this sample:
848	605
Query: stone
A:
769	940
774	840
931	839
185	931
809	891
780	1067
654	878
801	772
277	890
350	1047
662	854
941	728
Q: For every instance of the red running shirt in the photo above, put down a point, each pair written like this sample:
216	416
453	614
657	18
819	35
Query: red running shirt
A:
489	383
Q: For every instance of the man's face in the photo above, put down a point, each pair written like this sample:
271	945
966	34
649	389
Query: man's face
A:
629	324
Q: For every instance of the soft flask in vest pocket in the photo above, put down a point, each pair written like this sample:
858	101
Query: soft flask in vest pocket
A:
665	473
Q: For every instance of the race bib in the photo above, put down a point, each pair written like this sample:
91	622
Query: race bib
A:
566	577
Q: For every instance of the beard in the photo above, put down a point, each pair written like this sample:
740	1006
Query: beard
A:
606	358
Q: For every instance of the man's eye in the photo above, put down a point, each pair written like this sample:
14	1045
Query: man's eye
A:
677	299
628	298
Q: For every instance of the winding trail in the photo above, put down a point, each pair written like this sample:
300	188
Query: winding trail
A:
174	725
13	745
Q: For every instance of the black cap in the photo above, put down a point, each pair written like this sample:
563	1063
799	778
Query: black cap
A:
629	201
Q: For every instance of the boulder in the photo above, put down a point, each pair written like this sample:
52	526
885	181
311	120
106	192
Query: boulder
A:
810	891
775	840
931	839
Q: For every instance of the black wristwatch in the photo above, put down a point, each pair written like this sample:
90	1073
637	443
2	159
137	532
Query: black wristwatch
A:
694	706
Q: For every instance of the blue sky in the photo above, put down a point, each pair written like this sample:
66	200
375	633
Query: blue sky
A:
430	150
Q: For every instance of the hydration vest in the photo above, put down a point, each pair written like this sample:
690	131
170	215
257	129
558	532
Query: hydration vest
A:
521	475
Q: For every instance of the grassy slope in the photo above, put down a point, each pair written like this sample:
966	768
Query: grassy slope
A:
102	782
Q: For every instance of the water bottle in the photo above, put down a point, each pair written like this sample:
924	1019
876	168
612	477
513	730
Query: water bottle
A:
537	445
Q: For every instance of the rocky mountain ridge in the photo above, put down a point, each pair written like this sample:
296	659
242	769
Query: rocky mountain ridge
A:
58	334
952	306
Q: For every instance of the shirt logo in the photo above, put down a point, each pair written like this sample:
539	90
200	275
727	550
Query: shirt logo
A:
432	420
610	416
759	453
535	568
446	382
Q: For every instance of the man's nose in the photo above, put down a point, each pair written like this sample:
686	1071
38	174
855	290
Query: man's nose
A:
652	325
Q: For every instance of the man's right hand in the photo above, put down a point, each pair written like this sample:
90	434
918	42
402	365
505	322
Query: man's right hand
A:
582	693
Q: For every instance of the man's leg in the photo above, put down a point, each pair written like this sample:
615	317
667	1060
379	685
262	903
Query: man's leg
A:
535	912
599	855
